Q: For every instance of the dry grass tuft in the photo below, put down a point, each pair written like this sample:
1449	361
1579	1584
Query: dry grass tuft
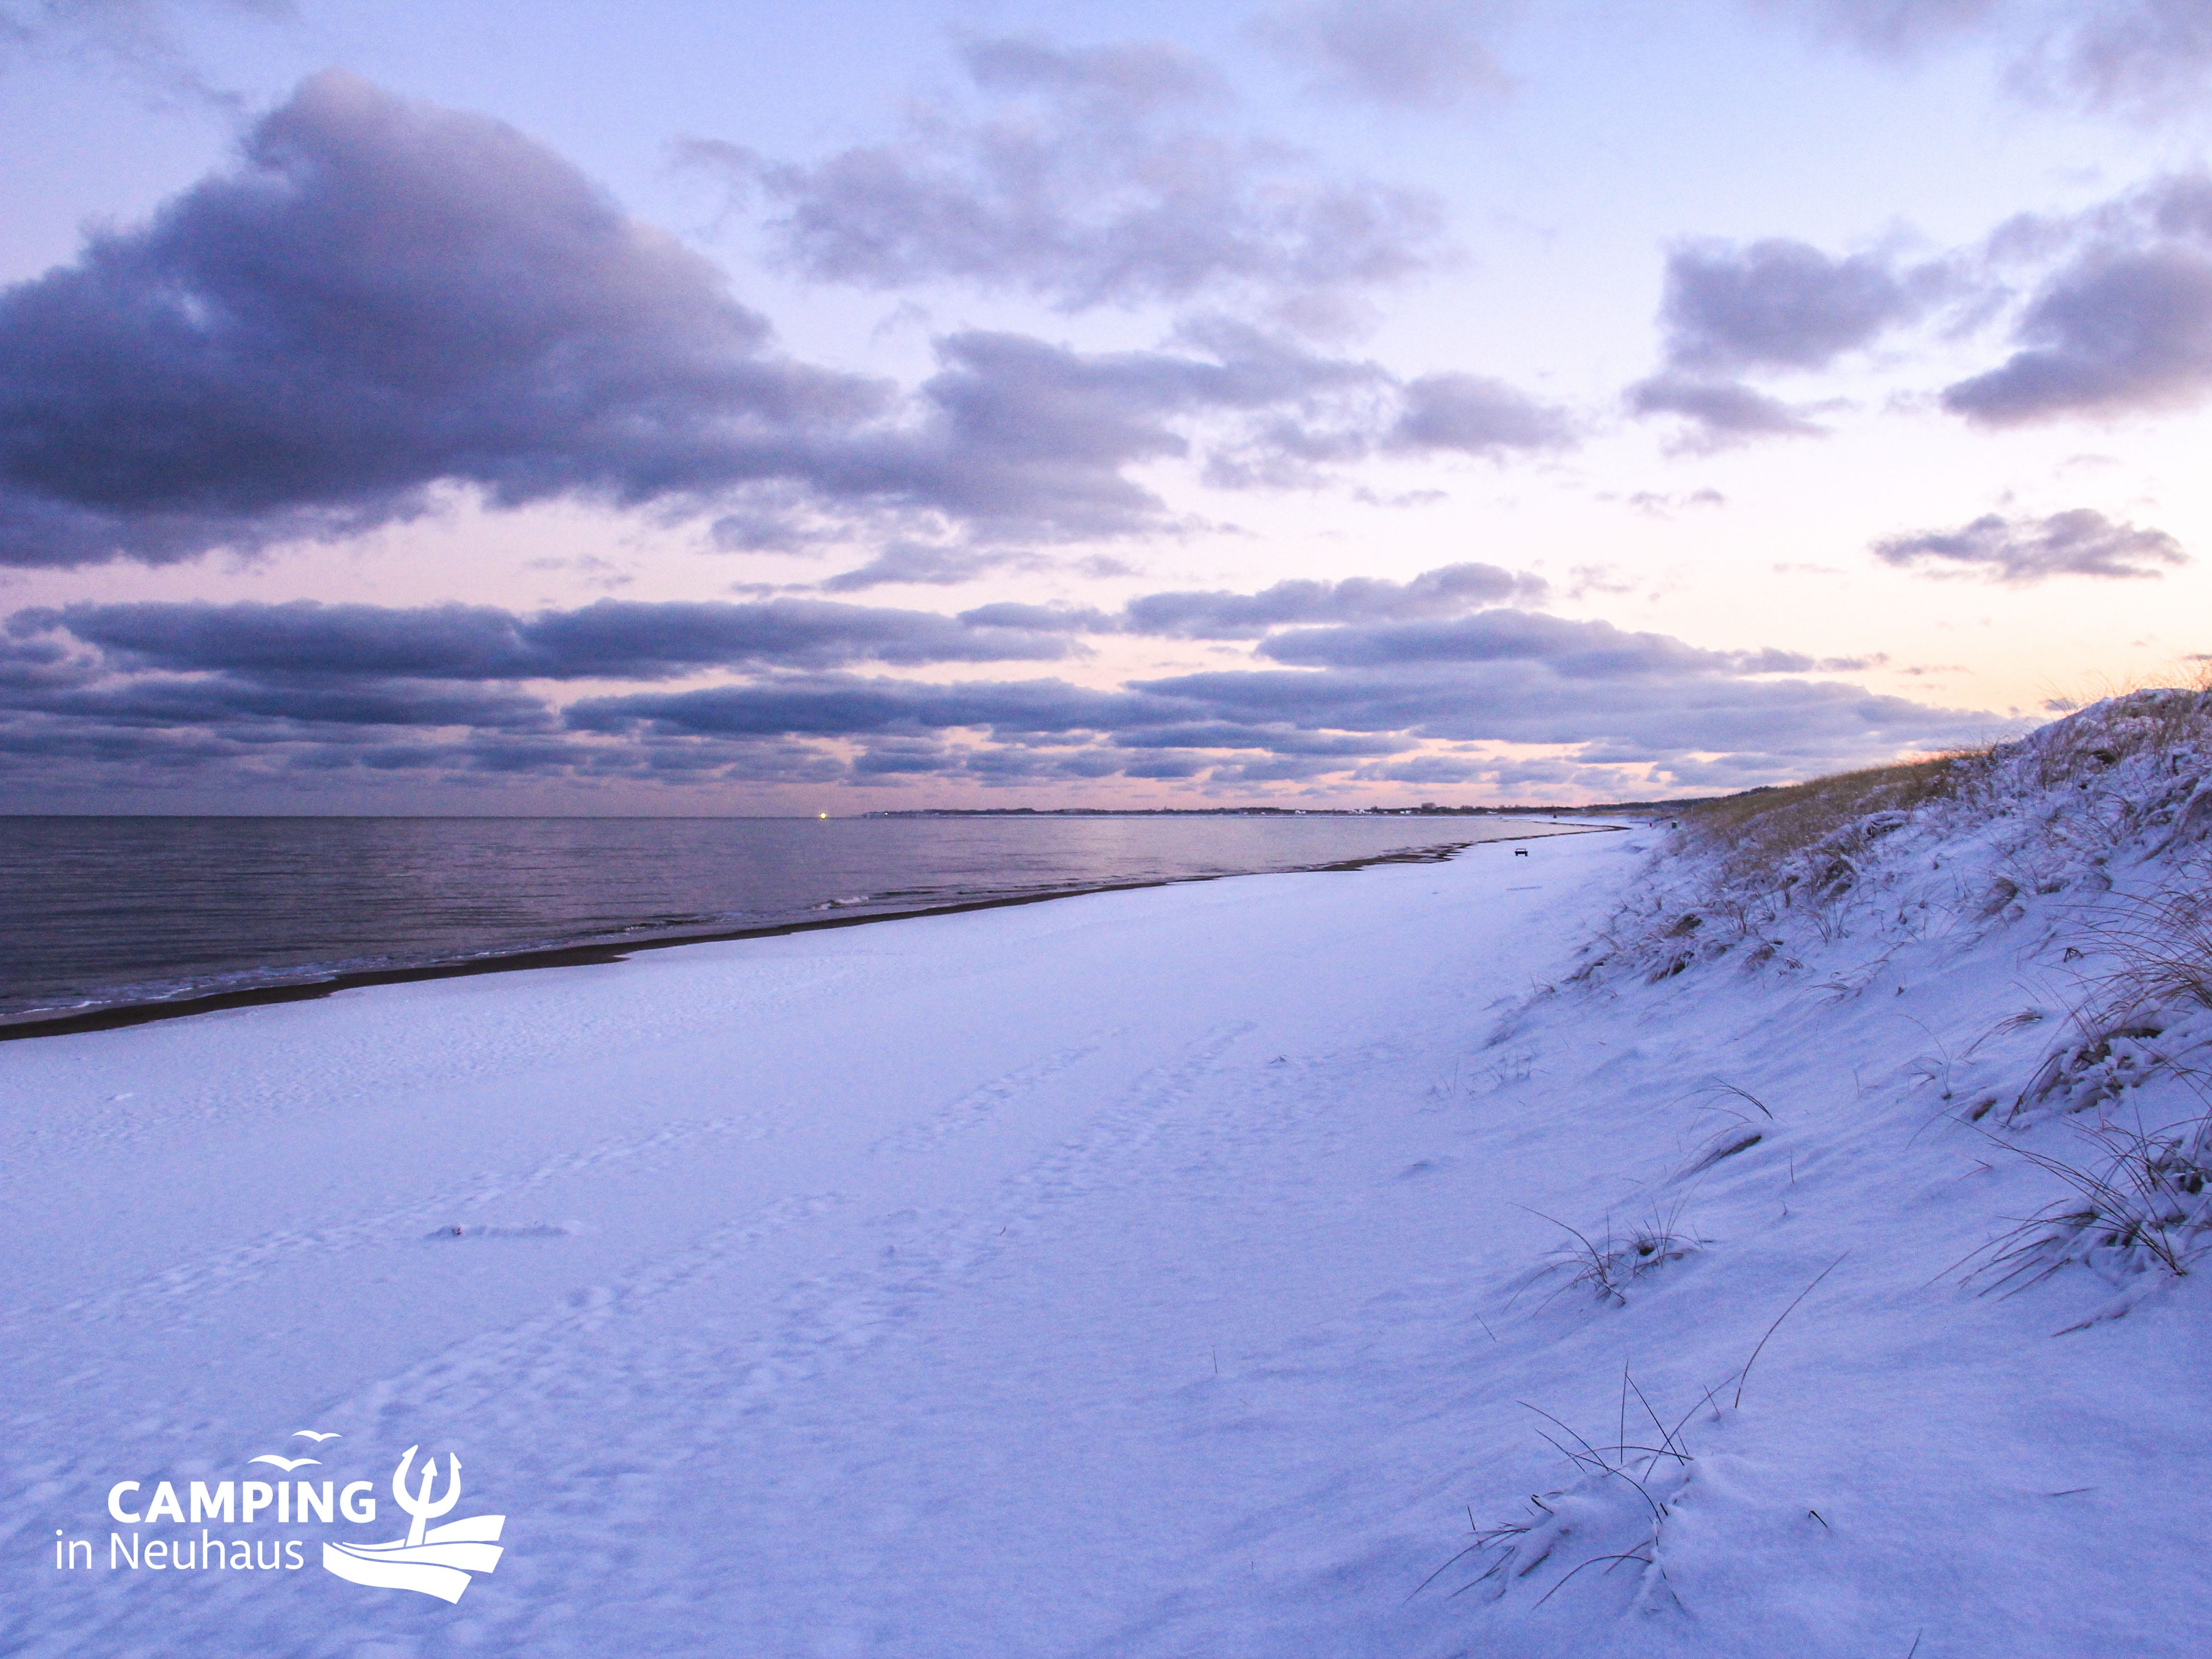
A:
2138	1201
1624	1496
1763	831
1619	1505
1608	1264
2155	721
2163	947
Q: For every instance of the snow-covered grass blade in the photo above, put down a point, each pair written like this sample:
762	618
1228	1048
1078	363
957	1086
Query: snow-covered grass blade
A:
1608	1264
1613	1514
2137	1201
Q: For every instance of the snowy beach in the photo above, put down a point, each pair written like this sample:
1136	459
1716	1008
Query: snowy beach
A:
1273	830
1171	1272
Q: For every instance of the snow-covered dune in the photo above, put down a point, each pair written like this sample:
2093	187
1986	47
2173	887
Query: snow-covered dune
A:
1194	1271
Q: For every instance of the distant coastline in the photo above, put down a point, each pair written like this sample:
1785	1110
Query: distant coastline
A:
1426	809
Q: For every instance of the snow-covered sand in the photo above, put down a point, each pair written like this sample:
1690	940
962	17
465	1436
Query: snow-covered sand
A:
1145	1274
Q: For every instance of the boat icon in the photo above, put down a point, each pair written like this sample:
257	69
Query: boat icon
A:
437	1561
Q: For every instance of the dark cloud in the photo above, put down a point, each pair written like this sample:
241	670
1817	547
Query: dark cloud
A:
1779	304
235	694
318	686
2023	551
900	757
302	698
610	640
1774	305
1372	689
2118	321
40	664
1419	54
1017	439
2121	322
1449	590
383	296
1718	414
250	707
1092	181
1791	726
1476	416
1028	439
306	763
2120	331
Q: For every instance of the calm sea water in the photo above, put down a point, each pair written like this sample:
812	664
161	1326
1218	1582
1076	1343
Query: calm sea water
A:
97	911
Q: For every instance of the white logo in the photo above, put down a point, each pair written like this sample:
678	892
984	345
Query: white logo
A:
436	1562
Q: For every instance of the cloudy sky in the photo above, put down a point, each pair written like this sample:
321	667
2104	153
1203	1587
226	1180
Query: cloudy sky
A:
683	407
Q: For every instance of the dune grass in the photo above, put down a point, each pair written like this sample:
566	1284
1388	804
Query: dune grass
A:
2129	771
1760	832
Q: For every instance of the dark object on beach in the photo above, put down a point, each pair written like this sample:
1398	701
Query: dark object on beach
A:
1520	852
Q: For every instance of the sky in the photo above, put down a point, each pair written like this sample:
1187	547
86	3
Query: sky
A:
689	409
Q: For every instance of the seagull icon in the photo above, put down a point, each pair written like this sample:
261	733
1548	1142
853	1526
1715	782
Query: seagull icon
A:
309	1434
286	1464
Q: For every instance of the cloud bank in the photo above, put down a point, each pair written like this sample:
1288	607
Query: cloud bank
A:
2022	552
1353	681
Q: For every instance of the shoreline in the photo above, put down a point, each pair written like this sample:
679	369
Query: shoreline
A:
122	1016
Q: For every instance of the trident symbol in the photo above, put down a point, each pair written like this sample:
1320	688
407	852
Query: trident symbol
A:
420	1506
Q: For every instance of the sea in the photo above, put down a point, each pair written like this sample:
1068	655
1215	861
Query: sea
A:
98	913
